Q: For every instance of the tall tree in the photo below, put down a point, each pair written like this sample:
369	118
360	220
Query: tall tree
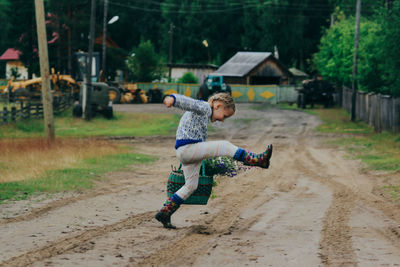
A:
23	33
5	27
389	18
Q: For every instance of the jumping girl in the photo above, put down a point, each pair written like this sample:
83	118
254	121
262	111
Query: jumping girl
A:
191	146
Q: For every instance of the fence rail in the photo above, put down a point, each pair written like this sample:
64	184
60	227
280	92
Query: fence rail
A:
241	93
26	109
380	111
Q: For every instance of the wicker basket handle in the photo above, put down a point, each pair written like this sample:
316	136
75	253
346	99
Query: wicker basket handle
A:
203	166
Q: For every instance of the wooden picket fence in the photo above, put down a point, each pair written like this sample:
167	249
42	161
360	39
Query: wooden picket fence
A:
380	111
27	109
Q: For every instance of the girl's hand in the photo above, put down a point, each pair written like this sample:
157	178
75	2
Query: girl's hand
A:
169	101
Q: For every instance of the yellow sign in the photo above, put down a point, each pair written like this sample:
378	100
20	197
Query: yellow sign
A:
236	94
170	91
188	93
251	94
267	94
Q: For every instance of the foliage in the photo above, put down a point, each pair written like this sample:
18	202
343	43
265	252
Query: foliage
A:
15	73
5	27
334	60
188	77
390	50
144	64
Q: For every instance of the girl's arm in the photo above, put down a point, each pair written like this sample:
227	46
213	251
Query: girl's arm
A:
188	104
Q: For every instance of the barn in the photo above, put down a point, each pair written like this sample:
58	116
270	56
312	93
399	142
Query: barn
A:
254	68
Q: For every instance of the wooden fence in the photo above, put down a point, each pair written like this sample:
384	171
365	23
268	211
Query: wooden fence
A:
380	111
26	109
241	93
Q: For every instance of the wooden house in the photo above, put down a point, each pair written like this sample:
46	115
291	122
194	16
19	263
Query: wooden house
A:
254	68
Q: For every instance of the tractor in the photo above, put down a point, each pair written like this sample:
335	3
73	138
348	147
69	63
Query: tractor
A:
315	91
213	84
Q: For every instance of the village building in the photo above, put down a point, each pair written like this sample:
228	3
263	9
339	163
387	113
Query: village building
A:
254	68
14	65
201	71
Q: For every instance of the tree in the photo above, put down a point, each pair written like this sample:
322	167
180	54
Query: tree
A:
334	60
5	27
144	64
389	18
23	34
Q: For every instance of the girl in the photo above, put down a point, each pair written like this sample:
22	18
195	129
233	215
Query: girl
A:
191	146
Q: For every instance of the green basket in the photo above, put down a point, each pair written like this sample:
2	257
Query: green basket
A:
200	196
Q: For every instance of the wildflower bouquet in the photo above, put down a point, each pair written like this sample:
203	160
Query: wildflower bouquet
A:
222	166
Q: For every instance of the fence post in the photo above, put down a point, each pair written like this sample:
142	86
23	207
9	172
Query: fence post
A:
377	118
4	115
13	113
396	115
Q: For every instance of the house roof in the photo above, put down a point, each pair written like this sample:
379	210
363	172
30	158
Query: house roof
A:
109	42
10	54
297	72
192	66
242	63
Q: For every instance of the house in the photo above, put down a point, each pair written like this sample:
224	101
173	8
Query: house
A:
254	68
201	71
11	56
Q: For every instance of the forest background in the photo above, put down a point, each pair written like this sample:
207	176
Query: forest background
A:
316	36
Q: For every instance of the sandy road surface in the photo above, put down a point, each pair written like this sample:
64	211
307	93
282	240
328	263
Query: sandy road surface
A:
313	207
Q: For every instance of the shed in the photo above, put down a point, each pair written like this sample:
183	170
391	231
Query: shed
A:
256	68
201	71
11	56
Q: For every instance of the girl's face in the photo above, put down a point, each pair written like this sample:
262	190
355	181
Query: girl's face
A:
220	113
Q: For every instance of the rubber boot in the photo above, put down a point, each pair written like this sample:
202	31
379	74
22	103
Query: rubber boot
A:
252	159
164	215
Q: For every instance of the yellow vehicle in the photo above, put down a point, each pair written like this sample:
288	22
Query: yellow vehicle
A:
60	84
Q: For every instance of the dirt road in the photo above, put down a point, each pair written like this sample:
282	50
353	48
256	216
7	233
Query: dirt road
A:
313	207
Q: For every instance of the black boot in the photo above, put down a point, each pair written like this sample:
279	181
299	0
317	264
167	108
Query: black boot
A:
164	215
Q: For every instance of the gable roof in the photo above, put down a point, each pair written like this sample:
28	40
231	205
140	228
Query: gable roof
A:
242	63
10	54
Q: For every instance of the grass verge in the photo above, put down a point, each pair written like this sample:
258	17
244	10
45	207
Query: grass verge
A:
123	124
379	151
81	176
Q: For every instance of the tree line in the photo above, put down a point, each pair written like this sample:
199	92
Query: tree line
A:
316	36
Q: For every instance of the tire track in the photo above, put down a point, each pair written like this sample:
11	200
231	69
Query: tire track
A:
64	245
336	244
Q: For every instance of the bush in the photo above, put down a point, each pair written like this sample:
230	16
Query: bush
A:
188	77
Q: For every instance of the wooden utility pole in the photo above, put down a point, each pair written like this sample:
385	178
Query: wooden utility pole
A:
103	61
87	111
171	42
355	83
356	38
44	71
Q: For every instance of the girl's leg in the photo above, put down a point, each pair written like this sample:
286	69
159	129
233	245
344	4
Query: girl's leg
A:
194	153
203	150
191	172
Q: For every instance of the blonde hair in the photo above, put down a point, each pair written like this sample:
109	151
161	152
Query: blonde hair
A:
225	98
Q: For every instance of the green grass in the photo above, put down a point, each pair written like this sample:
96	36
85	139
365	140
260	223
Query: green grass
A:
123	124
378	151
77	178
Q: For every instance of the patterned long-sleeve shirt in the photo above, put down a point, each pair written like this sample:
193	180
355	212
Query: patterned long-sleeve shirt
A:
193	125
